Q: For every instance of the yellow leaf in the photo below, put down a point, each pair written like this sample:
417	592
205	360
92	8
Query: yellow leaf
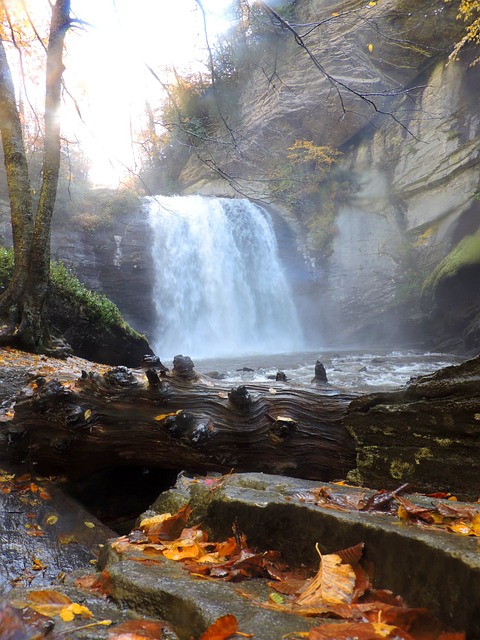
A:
370	47
48	602
37	564
90	525
147	522
51	520
162	416
188	549
462	528
67	614
372	4
87	414
402	513
383	630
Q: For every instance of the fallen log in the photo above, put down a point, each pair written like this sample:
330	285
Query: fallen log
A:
77	427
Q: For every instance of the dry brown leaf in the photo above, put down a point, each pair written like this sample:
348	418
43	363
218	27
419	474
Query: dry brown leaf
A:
168	528
357	631
333	584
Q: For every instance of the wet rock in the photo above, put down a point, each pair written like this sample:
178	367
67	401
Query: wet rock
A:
183	367
216	375
320	374
54	529
189	604
272	510
425	434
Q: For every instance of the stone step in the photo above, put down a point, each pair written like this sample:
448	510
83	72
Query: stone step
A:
429	568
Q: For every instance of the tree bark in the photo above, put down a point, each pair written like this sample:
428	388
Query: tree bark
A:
22	304
118	419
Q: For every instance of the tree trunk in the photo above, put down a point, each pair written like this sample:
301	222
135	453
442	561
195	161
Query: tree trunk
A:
22	304
21	204
118	420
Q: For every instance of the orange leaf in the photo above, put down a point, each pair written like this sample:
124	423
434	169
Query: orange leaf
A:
221	629
168	528
139	630
357	631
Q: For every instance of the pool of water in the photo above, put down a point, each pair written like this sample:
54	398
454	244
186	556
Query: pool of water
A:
349	370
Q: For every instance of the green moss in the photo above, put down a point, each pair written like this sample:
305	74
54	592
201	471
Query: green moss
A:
401	470
467	252
423	453
68	293
444	442
95	307
6	267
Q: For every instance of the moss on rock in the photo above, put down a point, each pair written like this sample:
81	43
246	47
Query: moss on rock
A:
465	253
90	322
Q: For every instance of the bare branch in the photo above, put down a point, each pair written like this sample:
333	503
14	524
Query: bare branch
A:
337	84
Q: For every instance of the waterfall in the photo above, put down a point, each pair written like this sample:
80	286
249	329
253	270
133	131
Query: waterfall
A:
220	288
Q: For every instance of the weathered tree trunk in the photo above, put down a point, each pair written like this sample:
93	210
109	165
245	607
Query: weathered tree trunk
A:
22	317
118	419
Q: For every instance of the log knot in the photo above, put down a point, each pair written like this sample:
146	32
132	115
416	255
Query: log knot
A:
240	398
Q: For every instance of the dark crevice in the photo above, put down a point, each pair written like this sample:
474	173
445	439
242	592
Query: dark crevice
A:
118	495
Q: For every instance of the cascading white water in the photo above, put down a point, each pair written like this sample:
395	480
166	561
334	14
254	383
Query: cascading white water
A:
220	288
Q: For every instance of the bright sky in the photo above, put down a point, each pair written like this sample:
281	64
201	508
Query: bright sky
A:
106	68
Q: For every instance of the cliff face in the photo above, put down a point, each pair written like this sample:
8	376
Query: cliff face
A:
396	256
409	169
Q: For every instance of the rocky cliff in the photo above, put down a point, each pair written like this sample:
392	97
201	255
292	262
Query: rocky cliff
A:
382	249
373	82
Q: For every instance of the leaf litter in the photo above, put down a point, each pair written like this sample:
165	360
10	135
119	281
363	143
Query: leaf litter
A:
339	595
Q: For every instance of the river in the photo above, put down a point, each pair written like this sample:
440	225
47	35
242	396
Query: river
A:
361	371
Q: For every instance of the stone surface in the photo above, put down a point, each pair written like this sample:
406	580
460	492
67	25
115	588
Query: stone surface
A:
413	177
191	605
427	434
278	513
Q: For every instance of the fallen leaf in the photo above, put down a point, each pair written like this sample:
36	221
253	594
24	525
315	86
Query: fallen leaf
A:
68	613
357	631
334	583
51	520
51	603
139	630
167	528
221	629
37	564
162	416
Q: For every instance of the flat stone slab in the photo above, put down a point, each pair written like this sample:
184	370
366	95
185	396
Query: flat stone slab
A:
429	568
191	604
